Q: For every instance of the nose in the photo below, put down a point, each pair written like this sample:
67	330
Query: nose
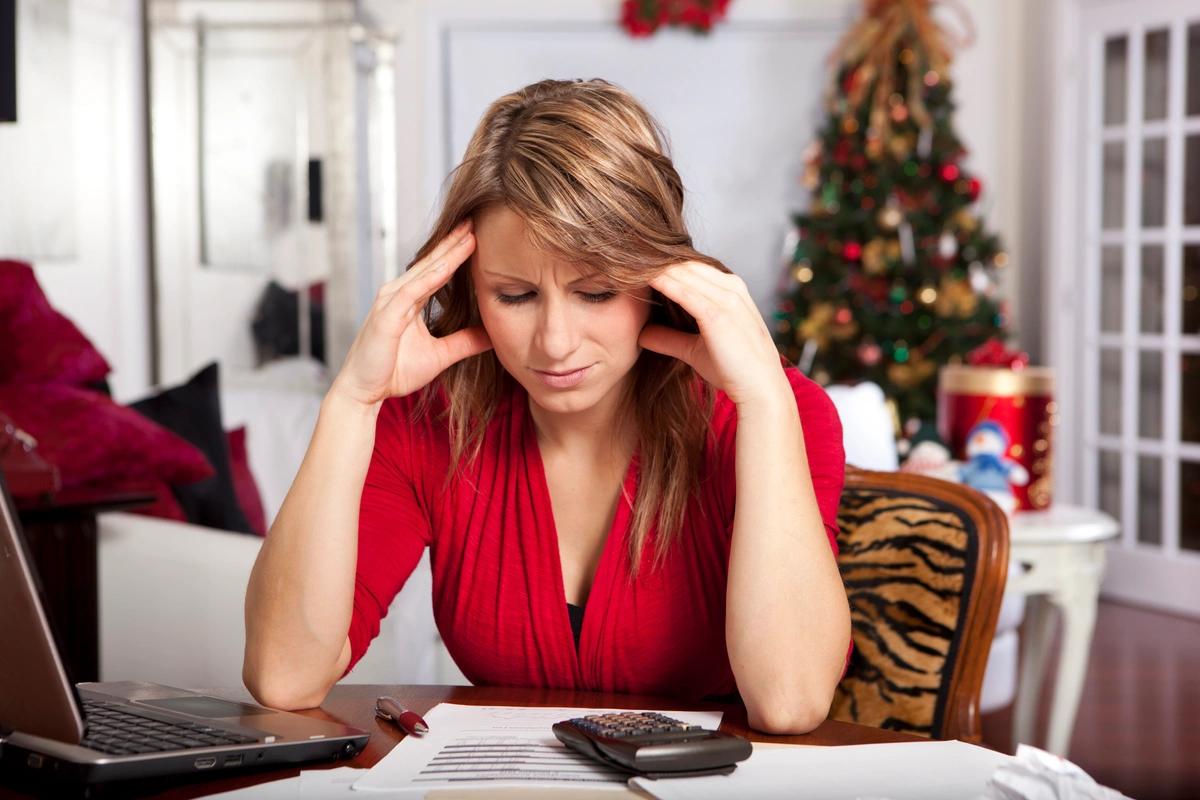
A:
558	333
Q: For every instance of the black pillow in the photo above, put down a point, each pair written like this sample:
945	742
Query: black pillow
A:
193	411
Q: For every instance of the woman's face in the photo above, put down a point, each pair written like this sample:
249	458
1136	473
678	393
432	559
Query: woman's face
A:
544	316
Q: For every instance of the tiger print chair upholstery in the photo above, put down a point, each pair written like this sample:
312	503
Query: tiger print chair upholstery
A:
924	562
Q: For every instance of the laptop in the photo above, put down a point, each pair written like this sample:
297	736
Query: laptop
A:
93	733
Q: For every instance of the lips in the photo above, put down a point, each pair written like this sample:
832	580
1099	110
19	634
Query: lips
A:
560	372
564	380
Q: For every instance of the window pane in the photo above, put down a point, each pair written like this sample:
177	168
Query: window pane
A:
1152	289
1150	394
1110	392
1193	69
1191	179
1191	288
1189	387
1113	213
1189	505
1149	500
1110	289
1155	100
1115	64
1154	182
1108	488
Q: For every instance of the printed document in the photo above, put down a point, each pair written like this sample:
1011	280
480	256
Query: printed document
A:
495	746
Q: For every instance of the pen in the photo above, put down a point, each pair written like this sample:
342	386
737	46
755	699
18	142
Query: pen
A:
389	708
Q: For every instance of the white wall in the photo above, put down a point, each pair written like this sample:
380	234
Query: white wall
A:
102	285
765	65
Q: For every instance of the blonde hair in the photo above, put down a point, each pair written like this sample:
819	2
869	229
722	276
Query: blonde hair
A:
588	171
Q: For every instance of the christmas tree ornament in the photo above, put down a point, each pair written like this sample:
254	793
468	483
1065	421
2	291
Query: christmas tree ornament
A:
852	251
978	278
949	172
802	273
947	245
869	353
927	295
965	221
873	255
889	216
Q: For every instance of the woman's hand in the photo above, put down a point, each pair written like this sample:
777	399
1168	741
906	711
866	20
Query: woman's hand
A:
733	351
394	354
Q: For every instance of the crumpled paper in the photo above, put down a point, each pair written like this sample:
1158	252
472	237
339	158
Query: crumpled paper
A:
1037	775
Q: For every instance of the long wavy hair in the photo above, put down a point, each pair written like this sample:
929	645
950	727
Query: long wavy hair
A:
588	170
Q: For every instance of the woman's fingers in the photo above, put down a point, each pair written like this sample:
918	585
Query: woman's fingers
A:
668	341
447	251
463	344
419	284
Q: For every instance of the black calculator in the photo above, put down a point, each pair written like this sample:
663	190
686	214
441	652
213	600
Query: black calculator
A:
653	745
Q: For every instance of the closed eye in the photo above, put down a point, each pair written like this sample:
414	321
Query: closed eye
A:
590	297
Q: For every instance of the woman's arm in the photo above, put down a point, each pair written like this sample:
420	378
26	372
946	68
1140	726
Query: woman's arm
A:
787	626
300	599
301	590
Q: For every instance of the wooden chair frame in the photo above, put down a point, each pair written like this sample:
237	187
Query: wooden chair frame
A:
960	713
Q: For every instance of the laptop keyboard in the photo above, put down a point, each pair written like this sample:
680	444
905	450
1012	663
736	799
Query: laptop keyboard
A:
118	730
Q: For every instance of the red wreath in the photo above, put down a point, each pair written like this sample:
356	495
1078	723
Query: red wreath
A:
643	17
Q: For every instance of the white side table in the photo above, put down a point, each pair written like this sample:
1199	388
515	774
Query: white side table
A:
1062	550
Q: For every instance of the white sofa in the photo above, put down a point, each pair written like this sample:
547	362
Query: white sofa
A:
171	594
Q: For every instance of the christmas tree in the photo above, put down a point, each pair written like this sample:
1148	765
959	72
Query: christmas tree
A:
892	273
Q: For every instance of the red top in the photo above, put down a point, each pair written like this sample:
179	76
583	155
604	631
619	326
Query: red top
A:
498	595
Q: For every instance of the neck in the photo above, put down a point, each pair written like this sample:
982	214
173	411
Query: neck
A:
604	431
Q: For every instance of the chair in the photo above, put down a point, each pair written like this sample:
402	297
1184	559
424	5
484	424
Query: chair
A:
924	562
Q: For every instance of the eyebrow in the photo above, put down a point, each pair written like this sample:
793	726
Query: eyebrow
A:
523	280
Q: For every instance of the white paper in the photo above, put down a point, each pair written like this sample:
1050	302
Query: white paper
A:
496	746
1037	775
311	784
902	771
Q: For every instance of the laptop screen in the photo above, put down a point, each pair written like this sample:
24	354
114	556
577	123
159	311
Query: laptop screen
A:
36	697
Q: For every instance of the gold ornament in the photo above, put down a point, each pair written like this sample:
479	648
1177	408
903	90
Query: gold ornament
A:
911	373
964	220
955	299
928	295
874	256
802	273
901	146
815	327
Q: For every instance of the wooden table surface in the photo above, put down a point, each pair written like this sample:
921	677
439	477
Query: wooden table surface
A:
354	704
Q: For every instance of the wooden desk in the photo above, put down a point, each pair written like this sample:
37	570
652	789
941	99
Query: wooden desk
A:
355	704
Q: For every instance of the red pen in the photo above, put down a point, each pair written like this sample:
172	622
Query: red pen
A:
389	708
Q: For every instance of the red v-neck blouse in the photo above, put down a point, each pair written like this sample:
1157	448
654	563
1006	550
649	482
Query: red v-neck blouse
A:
498	595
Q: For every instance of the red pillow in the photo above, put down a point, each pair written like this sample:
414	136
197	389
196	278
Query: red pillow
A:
164	505
245	488
40	344
92	440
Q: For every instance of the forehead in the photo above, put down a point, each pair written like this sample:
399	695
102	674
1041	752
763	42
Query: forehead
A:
502	244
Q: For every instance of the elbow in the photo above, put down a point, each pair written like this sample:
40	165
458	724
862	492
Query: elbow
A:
782	720
277	694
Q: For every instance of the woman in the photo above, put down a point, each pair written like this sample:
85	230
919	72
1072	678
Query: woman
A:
567	436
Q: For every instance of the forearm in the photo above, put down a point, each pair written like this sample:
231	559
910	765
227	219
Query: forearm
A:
301	590
787	618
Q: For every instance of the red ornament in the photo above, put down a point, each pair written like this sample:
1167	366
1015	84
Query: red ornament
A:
642	18
842	316
869	353
993	353
974	187
852	251
950	172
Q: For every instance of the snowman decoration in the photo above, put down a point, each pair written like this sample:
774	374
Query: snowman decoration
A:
987	469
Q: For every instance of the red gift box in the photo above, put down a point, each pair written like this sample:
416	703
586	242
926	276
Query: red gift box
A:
1021	402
